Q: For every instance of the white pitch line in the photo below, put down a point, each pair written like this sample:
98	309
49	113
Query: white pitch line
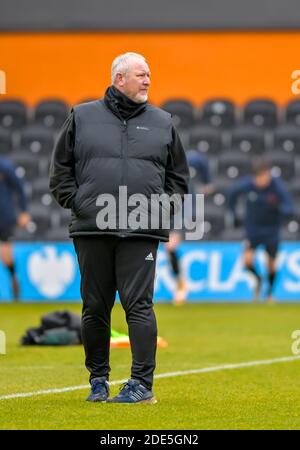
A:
262	362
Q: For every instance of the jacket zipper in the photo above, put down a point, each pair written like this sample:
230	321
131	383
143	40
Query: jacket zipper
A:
124	156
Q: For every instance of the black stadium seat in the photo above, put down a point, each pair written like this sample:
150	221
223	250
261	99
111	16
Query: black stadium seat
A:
182	112
25	234
283	165
51	113
57	234
248	139
214	221
233	166
27	166
287	138
41	193
217	198
41	219
221	184
294	189
206	140
233	234
37	139
218	113
292	112
291	231
5	141
260	113
13	114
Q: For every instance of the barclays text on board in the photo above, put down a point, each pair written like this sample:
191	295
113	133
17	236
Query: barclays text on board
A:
48	272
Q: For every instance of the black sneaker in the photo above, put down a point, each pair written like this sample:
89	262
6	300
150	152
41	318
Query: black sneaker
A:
133	392
99	390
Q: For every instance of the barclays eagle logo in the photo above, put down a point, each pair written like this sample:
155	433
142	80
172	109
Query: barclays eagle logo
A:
51	273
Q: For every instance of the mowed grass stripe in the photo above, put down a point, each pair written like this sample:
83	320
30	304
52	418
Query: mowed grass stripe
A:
240	365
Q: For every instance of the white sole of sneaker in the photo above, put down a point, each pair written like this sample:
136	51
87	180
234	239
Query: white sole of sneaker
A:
149	401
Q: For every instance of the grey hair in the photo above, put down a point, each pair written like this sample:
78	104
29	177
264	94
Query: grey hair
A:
121	63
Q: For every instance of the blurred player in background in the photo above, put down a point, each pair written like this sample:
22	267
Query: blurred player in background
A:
200	183
267	205
13	212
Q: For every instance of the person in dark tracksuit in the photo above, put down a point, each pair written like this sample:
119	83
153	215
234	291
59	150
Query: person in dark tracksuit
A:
120	140
268	204
13	212
199	175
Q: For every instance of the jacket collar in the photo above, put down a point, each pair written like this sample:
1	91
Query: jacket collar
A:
122	106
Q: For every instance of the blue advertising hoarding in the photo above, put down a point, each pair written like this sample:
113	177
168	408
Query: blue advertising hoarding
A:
214	271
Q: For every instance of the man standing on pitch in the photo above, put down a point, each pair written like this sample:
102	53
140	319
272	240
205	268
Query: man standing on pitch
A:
120	140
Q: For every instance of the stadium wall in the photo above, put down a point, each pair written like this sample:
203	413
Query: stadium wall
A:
193	65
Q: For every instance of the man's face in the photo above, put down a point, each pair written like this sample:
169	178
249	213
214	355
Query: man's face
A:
263	179
136	81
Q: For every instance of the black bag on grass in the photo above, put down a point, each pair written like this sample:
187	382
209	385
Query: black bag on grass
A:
57	328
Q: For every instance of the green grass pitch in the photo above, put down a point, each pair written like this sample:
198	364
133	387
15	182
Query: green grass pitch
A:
199	336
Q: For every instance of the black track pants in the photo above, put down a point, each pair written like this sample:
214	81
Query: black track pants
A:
107	264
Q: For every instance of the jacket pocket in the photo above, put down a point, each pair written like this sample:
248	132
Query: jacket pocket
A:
76	203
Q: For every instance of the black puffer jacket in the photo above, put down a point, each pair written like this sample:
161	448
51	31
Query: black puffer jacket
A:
97	151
